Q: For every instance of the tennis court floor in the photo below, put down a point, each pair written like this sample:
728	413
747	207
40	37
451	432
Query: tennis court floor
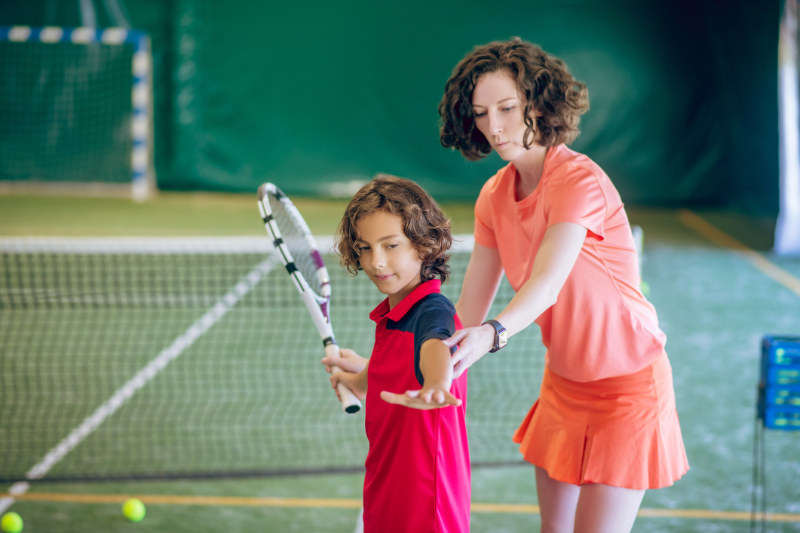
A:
713	302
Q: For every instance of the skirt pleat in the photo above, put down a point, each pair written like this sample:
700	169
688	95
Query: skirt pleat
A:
622	431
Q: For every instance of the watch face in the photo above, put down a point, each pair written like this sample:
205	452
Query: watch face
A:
503	338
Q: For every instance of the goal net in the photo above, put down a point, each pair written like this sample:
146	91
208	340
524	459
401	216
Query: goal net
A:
75	111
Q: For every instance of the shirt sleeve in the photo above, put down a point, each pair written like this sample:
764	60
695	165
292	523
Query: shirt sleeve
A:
434	321
576	196
484	233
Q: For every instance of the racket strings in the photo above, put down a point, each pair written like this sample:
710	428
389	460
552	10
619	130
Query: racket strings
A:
295	238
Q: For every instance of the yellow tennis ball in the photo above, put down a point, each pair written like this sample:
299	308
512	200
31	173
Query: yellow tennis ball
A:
133	510
11	523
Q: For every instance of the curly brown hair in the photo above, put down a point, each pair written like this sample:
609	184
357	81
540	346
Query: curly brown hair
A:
541	79
423	223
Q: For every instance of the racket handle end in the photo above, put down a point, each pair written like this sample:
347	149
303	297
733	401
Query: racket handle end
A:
350	403
352	409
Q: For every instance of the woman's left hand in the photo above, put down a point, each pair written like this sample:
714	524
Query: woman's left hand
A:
473	343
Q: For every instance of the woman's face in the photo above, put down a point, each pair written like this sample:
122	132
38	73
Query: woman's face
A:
499	114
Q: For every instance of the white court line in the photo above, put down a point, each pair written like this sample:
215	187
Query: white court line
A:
124	393
720	238
20	487
171	245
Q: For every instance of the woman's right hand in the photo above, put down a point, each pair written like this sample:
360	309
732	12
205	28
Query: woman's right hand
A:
473	343
349	361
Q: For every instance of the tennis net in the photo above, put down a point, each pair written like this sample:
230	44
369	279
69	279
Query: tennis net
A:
194	357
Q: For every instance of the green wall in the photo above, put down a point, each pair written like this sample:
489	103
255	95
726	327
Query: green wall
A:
314	94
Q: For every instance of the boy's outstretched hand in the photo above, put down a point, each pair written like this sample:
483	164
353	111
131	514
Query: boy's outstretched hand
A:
434	397
437	370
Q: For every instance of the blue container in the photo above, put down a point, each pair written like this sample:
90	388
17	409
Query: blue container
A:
783	376
779	389
787	418
778	351
783	396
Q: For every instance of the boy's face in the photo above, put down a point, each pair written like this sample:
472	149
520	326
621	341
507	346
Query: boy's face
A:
387	256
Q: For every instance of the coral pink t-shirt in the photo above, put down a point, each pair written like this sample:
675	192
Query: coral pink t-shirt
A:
601	325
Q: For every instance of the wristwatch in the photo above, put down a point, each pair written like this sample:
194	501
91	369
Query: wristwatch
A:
500	335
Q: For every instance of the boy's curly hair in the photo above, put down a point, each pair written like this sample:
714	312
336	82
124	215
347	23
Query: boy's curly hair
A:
541	79
423	223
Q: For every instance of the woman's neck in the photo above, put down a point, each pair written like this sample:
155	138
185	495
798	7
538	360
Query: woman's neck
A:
529	169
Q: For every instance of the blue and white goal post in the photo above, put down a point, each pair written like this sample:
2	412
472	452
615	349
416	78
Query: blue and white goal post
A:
76	111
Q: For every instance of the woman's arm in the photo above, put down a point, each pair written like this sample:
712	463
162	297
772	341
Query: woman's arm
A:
554	261
481	281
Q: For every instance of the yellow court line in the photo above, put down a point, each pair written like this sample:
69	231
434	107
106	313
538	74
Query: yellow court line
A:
189	500
504	508
720	238
342	503
716	515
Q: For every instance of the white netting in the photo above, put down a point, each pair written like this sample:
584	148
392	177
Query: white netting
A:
65	112
238	388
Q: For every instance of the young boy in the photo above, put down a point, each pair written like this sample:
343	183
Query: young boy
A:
418	473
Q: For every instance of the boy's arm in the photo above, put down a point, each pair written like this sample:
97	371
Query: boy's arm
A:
356	382
437	370
348	360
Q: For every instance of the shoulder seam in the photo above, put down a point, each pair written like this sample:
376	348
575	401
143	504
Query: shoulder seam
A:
594	170
433	301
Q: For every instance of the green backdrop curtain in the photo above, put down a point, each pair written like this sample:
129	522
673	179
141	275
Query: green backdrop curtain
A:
317	95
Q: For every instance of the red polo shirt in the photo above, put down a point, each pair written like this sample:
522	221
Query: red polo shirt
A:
418	474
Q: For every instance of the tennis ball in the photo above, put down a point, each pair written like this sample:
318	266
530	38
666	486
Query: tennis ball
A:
11	523
645	288
133	510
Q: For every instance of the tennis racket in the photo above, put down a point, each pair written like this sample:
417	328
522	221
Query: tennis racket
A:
298	250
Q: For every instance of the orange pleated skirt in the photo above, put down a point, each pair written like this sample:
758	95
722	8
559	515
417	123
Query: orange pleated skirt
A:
621	431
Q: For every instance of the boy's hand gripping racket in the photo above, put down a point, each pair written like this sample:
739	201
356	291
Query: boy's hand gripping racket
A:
299	252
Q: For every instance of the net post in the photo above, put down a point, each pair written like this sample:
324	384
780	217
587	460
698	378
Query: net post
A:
142	166
638	241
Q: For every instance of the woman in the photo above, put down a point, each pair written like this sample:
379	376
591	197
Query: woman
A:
604	428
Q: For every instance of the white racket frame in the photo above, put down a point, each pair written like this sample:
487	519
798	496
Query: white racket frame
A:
318	305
